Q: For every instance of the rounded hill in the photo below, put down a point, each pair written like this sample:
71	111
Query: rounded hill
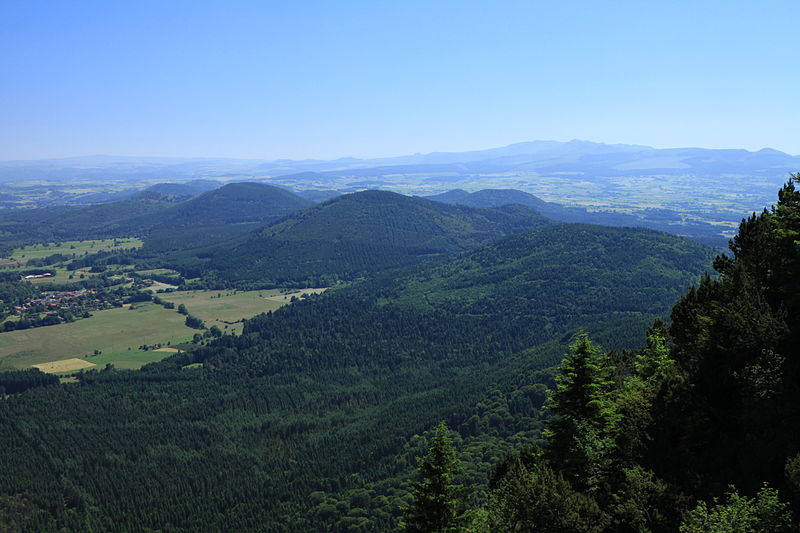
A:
362	232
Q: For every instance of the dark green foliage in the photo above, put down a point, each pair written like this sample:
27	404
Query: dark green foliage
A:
356	234
792	472
14	292
194	322
437	500
710	403
735	342
578	437
530	496
16	381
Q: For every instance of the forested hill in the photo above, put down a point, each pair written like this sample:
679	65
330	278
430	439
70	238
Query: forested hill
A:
164	216
220	214
494	198
306	422
237	203
521	291
656	219
562	275
358	233
696	432
188	189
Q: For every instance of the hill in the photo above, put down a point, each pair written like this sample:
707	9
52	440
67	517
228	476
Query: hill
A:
499	197
221	214
238	203
560	272
359	233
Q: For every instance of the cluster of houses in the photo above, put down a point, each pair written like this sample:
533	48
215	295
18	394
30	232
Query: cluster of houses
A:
74	301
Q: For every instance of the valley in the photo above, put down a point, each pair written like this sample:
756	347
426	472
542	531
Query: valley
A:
303	352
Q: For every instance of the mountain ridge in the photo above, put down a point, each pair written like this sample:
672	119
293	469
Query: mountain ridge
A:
361	232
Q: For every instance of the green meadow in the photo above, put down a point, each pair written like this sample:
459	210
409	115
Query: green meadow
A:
222	308
111	331
76	248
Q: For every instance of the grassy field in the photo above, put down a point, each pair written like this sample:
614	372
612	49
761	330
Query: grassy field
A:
64	365
158	271
218	307
77	248
113	331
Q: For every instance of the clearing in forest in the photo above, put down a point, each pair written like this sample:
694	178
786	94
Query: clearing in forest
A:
72	248
228	307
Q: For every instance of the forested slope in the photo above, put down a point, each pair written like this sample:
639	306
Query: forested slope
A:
306	422
125	218
221	214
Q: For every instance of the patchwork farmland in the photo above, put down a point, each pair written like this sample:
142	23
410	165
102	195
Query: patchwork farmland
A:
117	336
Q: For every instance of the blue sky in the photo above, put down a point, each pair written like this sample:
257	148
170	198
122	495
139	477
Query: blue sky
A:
376	78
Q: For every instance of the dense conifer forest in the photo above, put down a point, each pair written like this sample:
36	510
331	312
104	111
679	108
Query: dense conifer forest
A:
313	418
352	236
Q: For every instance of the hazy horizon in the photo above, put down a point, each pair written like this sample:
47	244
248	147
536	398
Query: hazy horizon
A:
382	156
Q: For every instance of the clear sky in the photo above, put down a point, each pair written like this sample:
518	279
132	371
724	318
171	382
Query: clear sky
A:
326	79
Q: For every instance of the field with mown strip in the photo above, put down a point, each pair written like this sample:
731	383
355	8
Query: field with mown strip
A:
64	365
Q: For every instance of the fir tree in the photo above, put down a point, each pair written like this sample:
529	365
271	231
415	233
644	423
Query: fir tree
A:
438	500
580	438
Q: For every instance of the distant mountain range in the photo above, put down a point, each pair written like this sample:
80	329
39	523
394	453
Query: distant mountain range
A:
582	157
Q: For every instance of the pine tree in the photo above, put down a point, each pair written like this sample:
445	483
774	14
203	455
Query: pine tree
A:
438	501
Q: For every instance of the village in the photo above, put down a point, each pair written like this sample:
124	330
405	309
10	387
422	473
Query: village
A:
59	306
